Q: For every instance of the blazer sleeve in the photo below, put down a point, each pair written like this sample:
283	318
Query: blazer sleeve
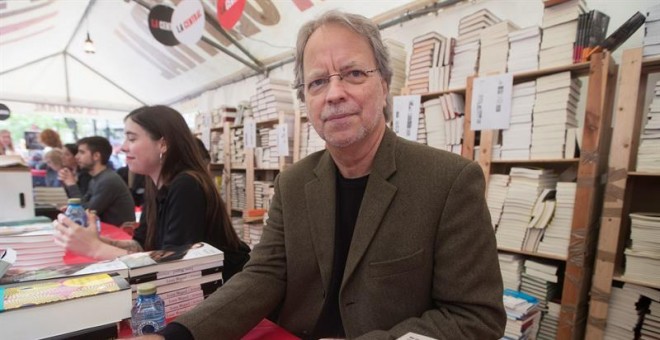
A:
467	282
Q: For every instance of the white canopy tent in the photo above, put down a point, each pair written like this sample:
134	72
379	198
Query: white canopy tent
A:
44	68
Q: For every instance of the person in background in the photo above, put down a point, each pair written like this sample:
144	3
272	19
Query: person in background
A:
54	161
182	206
50	138
107	193
69	159
372	238
135	184
6	143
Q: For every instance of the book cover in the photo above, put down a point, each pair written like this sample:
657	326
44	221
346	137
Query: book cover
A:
34	294
171	259
17	276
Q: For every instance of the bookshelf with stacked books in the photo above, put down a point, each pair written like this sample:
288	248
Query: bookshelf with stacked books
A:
543	191
626	275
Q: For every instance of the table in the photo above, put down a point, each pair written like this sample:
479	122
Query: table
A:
107	230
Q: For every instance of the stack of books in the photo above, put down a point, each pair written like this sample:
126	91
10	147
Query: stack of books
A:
649	307
51	196
273	96
541	280
183	276
237	223
310	141
53	304
217	147
398	64
542	213
498	186
263	194
237	148
554	121
511	266
422	129
238	196
517	139
648	154
466	52
494	41
522	315
550	322
560	25
33	242
592	28
217	118
434	124
266	154
524	47
525	186
643	251
622	316
557	234
428	51
652	32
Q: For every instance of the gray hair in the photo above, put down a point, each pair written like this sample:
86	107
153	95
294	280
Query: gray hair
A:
358	24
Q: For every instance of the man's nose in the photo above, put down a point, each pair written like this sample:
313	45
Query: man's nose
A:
336	89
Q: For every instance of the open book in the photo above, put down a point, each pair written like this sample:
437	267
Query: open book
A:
172	259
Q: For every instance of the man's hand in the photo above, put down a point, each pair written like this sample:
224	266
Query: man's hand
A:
148	337
66	176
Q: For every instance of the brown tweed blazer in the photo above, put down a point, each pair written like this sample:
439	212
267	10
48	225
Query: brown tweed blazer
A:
423	256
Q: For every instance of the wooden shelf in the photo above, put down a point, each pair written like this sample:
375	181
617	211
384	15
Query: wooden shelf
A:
267	169
534	254
649	174
624	279
535	161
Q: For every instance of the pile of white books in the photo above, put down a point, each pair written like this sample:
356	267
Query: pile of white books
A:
554	121
511	266
524	49
494	41
517	139
560	24
525	186
422	129
237	182
622	315
652	32
262	194
558	233
435	124
55	196
541	280
648	154
273	96
310	141
466	52
649	307
643	253
549	322
237	148
428	52
398	64
498	186
217	148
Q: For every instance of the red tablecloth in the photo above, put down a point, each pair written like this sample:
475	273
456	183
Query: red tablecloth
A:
107	230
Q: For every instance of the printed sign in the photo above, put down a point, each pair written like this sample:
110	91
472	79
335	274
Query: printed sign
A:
491	102
405	122
188	21
282	140
250	134
160	25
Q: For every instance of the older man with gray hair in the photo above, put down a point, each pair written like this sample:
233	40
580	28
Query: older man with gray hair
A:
373	237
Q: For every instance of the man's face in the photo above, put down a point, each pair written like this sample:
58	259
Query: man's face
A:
342	113
5	138
84	157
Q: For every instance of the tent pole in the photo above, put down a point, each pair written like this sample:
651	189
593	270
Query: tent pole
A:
29	63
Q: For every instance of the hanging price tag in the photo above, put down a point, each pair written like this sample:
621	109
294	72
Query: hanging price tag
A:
283	140
250	134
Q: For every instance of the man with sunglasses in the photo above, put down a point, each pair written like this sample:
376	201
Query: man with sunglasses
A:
373	237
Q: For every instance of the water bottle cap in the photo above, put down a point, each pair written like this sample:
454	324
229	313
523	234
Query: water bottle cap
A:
73	200
146	289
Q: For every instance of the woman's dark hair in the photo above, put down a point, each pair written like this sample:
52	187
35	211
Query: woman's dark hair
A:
73	148
182	155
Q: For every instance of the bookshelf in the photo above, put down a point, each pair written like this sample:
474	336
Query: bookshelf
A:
626	191
600	75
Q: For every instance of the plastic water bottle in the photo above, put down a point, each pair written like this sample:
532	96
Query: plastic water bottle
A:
76	212
98	220
148	314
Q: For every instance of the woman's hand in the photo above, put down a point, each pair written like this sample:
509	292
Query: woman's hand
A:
74	237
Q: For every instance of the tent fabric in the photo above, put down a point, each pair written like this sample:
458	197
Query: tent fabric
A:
42	58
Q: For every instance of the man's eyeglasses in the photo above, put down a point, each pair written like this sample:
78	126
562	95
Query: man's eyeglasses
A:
353	76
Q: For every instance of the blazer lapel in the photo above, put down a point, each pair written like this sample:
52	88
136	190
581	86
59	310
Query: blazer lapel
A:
375	203
320	195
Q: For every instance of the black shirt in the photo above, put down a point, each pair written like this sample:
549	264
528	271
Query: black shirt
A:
349	199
